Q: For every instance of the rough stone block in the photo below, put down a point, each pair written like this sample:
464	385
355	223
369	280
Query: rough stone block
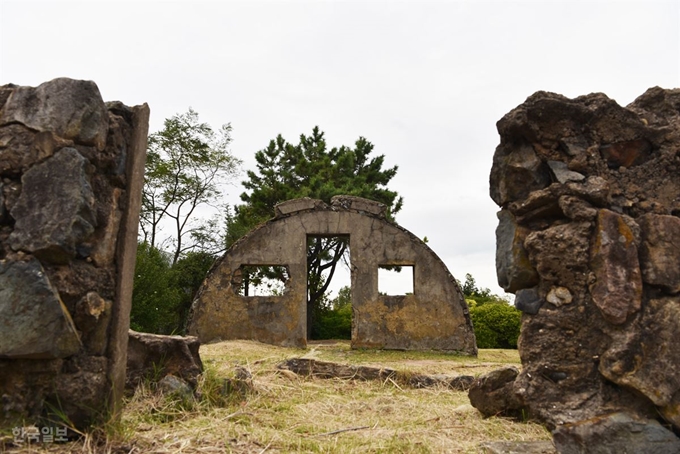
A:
617	290
55	210
513	268
492	394
528	301
577	209
560	253
92	316
660	251
647	359
615	433
517	174
73	109
35	323
153	356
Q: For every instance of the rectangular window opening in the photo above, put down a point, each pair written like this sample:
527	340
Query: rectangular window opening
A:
396	280
260	280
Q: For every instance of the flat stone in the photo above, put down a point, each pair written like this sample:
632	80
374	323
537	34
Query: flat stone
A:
528	301
660	251
595	190
615	433
576	208
295	205
33	320
563	174
513	268
361	204
617	291
537	200
518	447
55	210
73	109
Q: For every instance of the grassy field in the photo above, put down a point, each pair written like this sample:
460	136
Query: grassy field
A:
287	413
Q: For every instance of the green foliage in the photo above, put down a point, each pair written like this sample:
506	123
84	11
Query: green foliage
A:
335	324
310	169
188	274
496	322
163	292
186	164
155	300
496	325
335	319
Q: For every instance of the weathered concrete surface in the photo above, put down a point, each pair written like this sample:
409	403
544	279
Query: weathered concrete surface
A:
435	316
598	210
71	173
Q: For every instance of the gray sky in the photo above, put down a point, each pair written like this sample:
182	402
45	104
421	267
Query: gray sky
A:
425	82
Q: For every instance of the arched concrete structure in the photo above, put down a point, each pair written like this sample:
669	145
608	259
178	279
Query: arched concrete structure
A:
435	316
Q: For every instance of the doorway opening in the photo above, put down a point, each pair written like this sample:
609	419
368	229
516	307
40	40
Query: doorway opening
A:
329	301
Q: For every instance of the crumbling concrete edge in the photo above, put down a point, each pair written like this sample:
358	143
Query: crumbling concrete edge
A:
126	258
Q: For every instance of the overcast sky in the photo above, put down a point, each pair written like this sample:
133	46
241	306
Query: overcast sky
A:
425	82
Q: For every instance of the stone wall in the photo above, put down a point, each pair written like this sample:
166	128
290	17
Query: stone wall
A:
71	173
589	241
433	316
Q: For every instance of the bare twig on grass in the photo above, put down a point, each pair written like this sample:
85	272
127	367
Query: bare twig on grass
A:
349	429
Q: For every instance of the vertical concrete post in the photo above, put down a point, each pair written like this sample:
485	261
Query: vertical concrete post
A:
126	255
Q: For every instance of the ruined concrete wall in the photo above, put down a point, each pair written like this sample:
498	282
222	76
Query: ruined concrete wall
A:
71	170
589	241
435	316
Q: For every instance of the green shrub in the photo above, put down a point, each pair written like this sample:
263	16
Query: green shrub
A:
335	323
496	325
155	298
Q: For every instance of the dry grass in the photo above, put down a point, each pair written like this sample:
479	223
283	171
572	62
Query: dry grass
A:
286	413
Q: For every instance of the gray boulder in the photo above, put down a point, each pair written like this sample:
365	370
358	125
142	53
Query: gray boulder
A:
56	209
